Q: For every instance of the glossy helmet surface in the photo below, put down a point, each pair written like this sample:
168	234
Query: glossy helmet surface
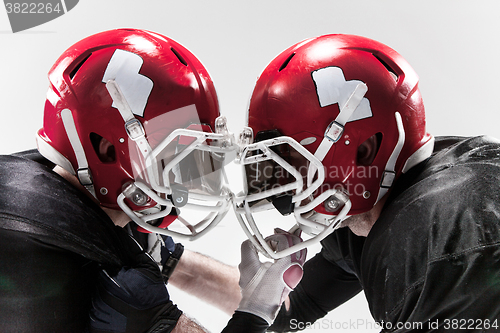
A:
313	106
156	106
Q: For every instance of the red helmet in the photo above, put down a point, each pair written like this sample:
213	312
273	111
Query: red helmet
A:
312	107
146	104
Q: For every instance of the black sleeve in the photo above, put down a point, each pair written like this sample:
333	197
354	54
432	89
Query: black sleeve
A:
43	288
324	287
34	155
244	322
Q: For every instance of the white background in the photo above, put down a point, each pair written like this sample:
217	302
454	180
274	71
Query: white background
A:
453	45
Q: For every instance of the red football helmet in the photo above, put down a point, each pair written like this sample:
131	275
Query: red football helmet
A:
135	116
311	109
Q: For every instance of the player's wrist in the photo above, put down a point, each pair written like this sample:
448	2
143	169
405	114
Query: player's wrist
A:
171	263
244	322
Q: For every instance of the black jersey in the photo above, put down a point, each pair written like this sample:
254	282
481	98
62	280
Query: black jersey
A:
431	260
53	239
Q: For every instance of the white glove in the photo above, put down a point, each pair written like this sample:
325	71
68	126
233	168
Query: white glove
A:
265	285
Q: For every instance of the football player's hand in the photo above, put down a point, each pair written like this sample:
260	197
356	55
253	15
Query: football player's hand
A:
133	299
265	285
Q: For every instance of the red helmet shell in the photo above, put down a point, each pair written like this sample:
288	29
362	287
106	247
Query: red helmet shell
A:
76	83
285	98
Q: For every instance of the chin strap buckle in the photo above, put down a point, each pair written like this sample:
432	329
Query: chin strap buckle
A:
85	176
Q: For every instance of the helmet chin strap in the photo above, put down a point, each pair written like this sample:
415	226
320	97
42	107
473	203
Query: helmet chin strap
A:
133	126
335	130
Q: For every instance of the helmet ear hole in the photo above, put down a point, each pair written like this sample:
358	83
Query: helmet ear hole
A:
104	149
367	151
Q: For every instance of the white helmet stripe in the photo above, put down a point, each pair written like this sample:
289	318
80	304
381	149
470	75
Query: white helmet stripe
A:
390	168
83	172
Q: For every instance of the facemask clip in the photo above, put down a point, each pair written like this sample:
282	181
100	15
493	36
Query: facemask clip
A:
245	138
135	194
179	196
335	202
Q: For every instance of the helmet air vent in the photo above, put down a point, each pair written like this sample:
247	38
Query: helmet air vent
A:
389	68
77	67
181	59
285	63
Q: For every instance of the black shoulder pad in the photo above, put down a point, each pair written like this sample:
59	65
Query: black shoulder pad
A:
35	200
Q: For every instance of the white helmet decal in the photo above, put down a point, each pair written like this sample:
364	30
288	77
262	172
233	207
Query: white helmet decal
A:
332	88
123	68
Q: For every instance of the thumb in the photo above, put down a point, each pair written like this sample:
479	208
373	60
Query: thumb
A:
293	275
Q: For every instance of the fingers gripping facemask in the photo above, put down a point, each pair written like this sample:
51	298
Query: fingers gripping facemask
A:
184	171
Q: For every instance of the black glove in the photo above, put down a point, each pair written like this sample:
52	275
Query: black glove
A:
169	260
133	299
162	248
